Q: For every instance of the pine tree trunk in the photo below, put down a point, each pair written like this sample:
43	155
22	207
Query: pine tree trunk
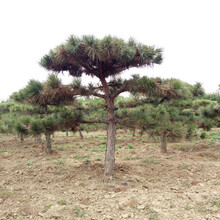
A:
110	148
48	148
163	143
81	134
134	130
111	132
67	133
39	139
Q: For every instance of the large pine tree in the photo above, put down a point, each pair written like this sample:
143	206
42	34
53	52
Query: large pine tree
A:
102	58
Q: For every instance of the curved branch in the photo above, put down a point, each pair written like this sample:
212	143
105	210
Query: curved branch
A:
94	121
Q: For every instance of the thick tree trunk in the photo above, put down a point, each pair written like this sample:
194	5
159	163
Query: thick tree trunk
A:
48	148
39	139
133	134
110	148
81	134
163	143
111	132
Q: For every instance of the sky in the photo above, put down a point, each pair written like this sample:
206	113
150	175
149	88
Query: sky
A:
187	30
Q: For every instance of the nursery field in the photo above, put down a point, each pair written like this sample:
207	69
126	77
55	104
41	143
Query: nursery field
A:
182	184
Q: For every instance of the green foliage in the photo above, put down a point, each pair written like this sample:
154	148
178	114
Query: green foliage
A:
53	81
62	202
37	126
99	57
213	97
191	130
203	135
197	90
22	125
202	102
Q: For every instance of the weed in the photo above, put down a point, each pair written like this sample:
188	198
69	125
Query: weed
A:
153	214
130	146
64	209
172	204
203	135
215	137
151	161
79	156
98	159
4	194
3	151
47	207
29	163
217	203
87	160
119	146
184	167
102	147
132	158
60	162
62	202
77	212
202	210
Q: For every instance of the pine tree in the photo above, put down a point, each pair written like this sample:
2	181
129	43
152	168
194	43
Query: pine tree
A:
102	58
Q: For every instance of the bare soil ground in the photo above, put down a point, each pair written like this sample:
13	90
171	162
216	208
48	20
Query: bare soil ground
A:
183	184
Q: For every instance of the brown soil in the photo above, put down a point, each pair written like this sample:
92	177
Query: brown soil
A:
183	184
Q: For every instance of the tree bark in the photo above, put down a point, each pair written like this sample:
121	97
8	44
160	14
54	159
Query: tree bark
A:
48	148
111	132
163	143
67	133
39	139
110	148
81	134
133	134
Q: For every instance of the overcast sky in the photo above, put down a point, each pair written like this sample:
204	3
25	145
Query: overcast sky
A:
187	30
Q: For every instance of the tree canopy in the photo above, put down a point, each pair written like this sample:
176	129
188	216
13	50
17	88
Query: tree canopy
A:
99	57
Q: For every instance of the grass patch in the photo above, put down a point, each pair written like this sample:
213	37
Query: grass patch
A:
184	167
202	210
151	161
47	207
29	163
98	158
79	156
217	203
62	202
130	146
77	212
102	148
60	162
119	146
4	194
132	158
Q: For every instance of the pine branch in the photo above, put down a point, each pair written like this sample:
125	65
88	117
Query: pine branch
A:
94	121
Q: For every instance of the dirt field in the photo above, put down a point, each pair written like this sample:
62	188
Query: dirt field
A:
183	184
